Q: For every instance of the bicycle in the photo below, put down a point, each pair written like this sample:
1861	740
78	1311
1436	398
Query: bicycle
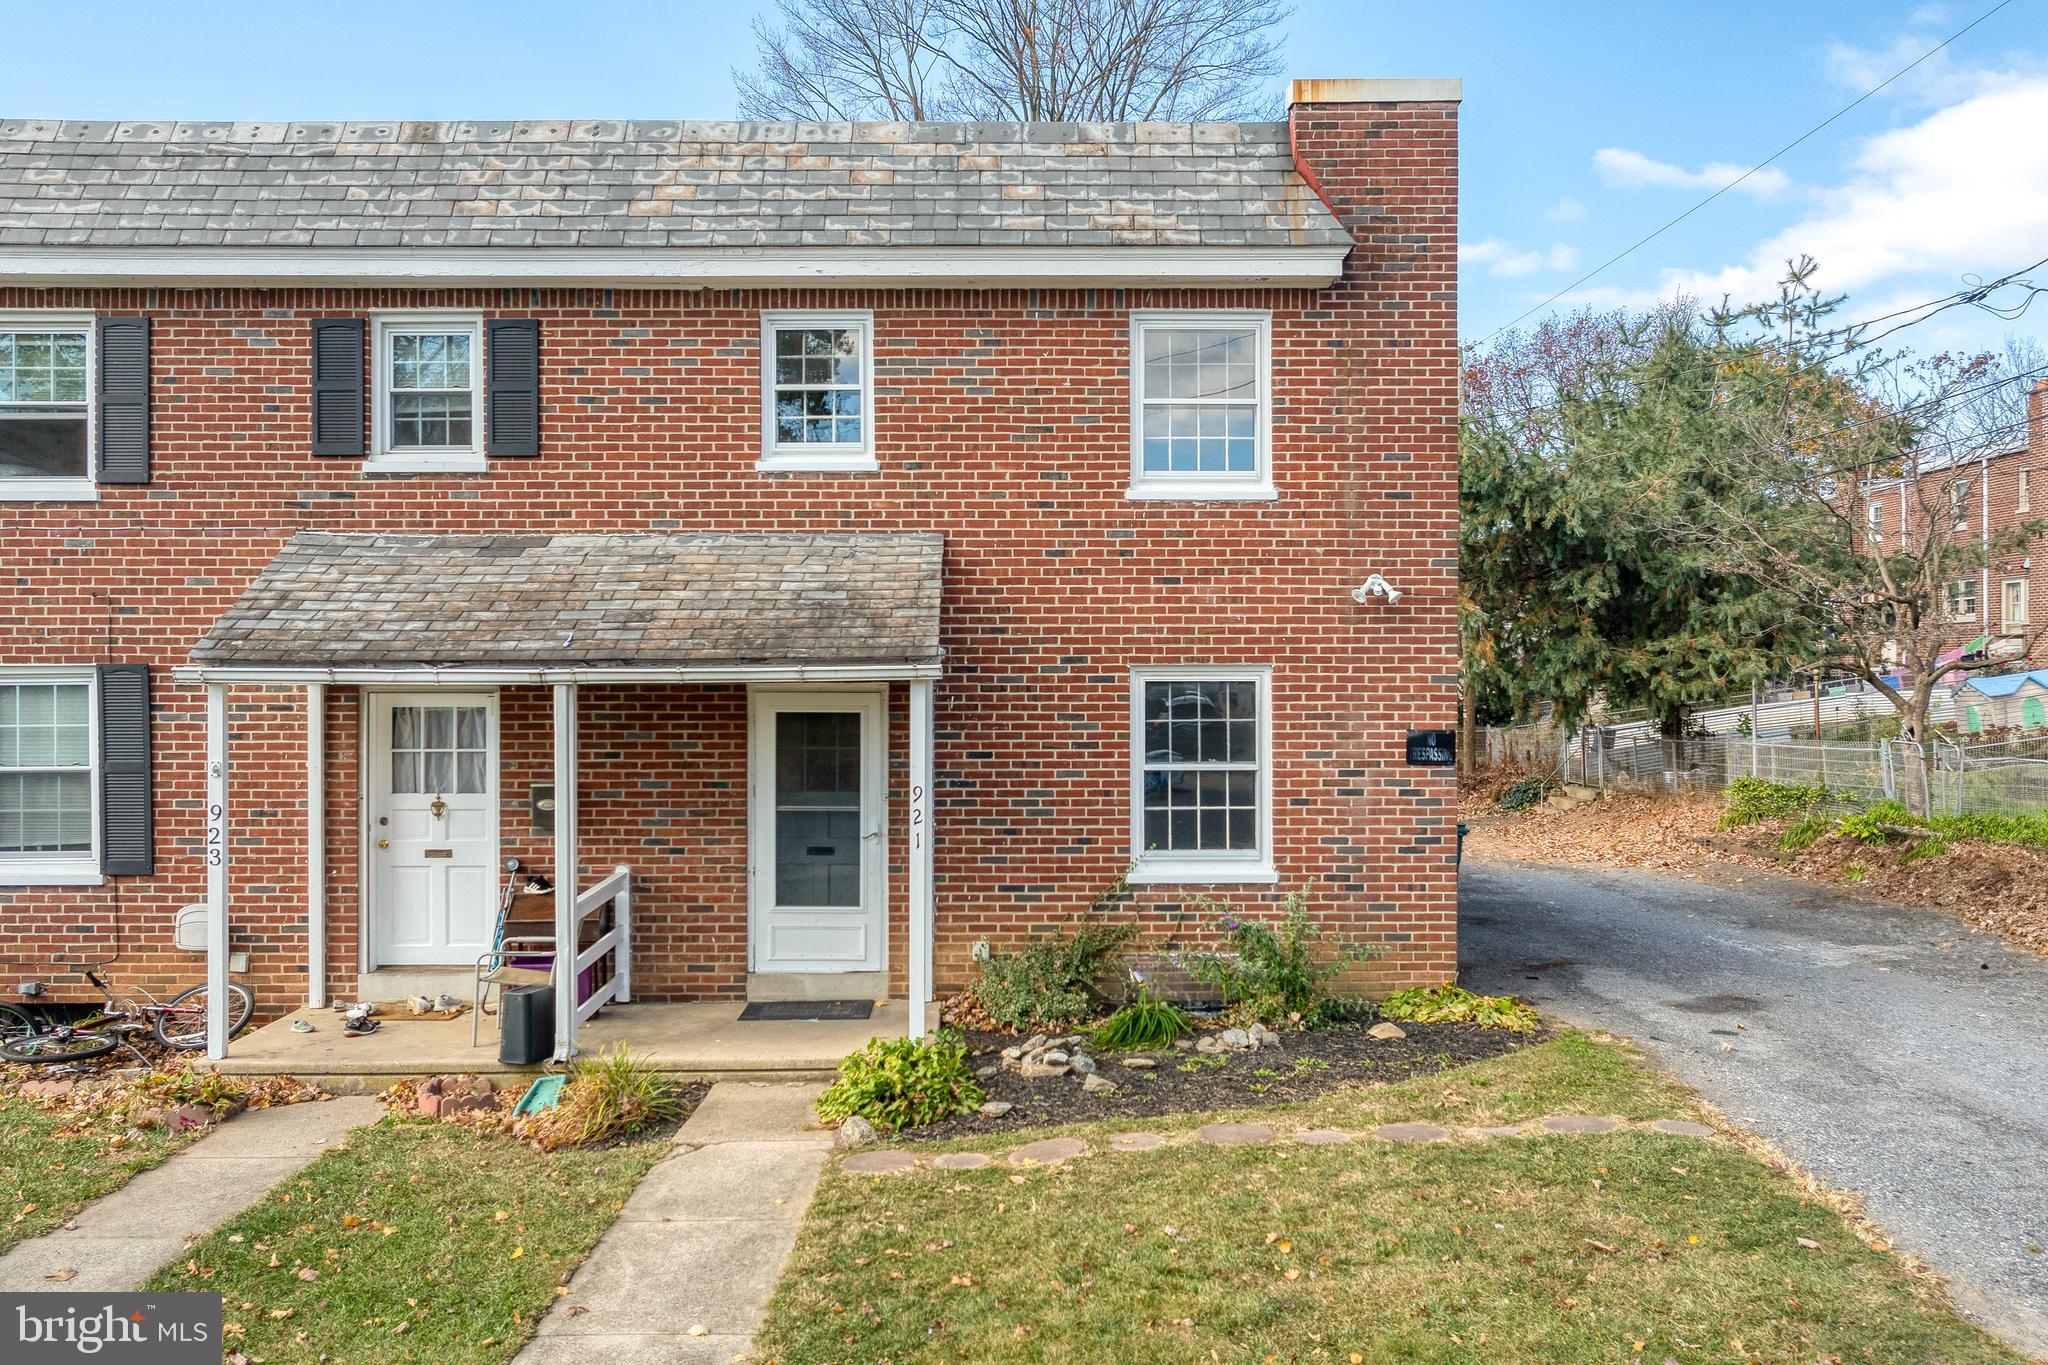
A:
178	1023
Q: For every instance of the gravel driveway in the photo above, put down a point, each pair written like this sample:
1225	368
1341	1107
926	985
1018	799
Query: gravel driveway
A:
1911	1073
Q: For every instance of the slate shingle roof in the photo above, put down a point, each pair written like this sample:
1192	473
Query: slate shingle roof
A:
364	600
620	184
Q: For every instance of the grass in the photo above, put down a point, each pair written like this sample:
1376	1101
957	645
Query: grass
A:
1625	1246
53	1164
413	1241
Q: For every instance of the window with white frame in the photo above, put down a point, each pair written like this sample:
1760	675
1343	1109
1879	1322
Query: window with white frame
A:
45	404
2026	489
1959	506
1873	517
429	397
1962	600
1201	798
817	391
1201	406
2013	603
47	760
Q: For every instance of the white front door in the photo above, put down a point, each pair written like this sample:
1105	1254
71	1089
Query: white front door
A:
819	861
432	848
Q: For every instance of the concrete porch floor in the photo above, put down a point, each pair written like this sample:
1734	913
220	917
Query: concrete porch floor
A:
699	1039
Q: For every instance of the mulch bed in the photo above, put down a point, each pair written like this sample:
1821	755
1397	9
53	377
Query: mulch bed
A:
1188	1082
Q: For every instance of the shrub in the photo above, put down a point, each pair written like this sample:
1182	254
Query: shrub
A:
609	1094
1523	794
1751	800
903	1083
1051	982
1804	834
1276	975
1147	1024
1452	1003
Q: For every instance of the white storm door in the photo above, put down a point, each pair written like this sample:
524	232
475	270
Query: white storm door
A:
432	845
819	861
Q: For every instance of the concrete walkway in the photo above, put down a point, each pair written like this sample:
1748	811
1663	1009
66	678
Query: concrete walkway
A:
118	1242
683	1277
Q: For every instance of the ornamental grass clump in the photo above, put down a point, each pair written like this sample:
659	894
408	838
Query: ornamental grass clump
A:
610	1094
903	1083
1147	1024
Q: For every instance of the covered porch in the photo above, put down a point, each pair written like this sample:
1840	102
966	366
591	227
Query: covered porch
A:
442	652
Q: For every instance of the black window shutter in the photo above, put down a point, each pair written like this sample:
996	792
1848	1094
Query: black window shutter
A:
514	397
337	386
127	845
124	400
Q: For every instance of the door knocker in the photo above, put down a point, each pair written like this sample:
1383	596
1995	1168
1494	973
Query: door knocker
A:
440	807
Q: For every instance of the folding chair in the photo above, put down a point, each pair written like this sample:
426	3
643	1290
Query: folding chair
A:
500	966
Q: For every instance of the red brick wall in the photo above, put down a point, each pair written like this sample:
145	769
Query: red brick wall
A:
1002	422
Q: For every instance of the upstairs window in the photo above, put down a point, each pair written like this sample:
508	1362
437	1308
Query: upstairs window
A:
1873	517
1201	405
2026	483
429	397
45	406
1959	506
1962	600
817	391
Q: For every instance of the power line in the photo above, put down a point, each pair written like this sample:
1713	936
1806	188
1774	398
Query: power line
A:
1831	118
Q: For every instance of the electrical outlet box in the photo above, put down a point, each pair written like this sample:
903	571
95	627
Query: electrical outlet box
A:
238	962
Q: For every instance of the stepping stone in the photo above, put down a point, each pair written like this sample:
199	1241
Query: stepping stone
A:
1235	1134
1505	1130
1578	1123
963	1161
1680	1128
1411	1132
880	1163
1136	1142
1048	1152
1322	1137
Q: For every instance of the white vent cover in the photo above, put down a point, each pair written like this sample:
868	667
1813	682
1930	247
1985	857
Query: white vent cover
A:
191	930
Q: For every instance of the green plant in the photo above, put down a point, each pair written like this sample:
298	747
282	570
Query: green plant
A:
1932	847
1147	1024
1875	825
187	1084
1304	1065
1751	800
903	1083
1524	794
1855	872
1051	982
1804	834
1276	974
610	1093
1451	1002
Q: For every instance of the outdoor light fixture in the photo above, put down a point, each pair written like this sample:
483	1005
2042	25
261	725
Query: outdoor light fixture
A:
1376	586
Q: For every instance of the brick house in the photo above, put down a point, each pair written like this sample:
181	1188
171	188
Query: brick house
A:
1983	496
833	550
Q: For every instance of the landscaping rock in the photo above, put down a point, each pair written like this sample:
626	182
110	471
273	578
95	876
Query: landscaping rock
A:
995	1109
984	1072
1082	1063
1210	1044
1236	1039
1385	1031
855	1131
189	1116
1052	1056
1139	1063
1095	1083
1033	1043
1263	1037
1013	1053
1042	1069
1183	1045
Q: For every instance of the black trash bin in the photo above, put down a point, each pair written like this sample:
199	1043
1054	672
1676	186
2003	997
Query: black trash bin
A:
527	1018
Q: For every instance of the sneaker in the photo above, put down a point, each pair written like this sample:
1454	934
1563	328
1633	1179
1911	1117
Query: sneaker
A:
359	1028
447	1002
302	1026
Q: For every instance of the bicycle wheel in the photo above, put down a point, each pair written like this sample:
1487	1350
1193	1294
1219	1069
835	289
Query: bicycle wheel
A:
16	1023
183	1021
63	1045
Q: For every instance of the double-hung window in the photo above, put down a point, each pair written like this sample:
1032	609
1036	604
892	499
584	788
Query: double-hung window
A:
2014	605
46	394
48	754
1873	518
1962	600
1201	405
1201	775
429	399
817	391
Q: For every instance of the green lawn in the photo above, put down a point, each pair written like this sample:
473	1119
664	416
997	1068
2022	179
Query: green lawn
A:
1628	1246
53	1164
414	1241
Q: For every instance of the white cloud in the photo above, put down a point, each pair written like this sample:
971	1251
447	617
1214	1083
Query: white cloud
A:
1565	210
1508	261
1627	169
1930	14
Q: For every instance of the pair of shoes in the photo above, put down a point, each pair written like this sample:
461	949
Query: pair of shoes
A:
446	1002
421	1004
357	1028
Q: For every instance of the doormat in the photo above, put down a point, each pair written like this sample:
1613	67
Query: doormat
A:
806	1009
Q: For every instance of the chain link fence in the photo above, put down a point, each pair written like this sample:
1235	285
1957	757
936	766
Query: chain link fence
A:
2007	777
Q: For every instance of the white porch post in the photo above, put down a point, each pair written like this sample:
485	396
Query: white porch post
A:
316	845
216	852
565	870
921	899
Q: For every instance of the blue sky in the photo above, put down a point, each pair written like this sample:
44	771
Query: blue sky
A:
1585	124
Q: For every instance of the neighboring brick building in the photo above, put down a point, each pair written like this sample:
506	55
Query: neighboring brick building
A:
1984	497
847	372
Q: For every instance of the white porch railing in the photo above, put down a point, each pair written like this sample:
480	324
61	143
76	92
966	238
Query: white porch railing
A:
617	941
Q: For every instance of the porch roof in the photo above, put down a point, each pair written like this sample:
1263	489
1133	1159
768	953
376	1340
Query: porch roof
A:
585	602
